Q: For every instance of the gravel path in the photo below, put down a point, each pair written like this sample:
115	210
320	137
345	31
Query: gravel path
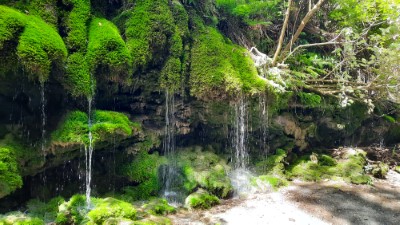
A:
328	202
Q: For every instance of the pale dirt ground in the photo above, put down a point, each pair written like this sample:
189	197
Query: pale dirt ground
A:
327	202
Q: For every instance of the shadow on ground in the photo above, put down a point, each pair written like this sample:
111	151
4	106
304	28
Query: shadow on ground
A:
349	204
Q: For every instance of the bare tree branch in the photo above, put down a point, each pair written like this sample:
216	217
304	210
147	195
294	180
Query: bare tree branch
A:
282	36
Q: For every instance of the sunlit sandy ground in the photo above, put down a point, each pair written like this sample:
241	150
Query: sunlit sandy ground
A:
327	202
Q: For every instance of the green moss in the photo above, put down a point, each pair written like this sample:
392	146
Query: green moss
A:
106	48
350	169
78	80
110	208
12	24
158	206
73	211
105	124
205	170
10	178
390	119
76	25
144	170
380	170
19	218
46	211
218	65
274	181
397	169
181	18
309	99
326	160
171	74
273	165
201	199
148	30
39	44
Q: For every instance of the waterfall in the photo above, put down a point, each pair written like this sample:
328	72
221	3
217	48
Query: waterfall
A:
240	176
264	125
170	173
89	153
241	156
43	116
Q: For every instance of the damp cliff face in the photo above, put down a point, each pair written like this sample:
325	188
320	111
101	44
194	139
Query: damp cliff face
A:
123	56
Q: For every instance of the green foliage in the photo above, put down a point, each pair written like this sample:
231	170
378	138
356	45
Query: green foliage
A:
171	74
110	208
105	124
201	199
107	48
39	44
181	18
10	178
45	211
76	25
19	218
147	30
144	170
309	99
390	119
205	170
158	206
220	65
252	12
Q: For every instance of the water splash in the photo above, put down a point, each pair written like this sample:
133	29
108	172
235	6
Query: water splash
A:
89	153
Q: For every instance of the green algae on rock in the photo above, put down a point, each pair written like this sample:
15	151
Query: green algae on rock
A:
201	199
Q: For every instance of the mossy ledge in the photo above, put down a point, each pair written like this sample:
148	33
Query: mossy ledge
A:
106	124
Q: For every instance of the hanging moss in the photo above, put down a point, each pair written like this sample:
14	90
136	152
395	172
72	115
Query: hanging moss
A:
147	31
181	18
105	124
39	44
12	24
10	178
171	75
107	48
309	99
76	25
218	65
77	78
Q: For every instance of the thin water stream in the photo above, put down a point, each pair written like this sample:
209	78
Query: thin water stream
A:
89	153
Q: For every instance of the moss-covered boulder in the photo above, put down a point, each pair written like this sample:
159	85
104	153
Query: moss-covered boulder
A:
75	211
201	199
350	167
158	206
273	164
145	171
265	181
205	169
47	211
380	170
